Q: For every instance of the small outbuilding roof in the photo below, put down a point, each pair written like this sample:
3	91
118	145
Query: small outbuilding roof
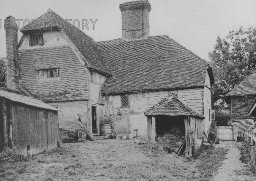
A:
25	100
246	87
171	107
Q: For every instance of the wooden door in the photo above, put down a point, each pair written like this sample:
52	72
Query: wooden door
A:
94	120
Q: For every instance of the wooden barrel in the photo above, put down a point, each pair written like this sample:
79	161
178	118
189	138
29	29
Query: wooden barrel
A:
106	129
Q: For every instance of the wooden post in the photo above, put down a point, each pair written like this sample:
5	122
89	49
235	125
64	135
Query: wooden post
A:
5	125
188	137
153	129
149	128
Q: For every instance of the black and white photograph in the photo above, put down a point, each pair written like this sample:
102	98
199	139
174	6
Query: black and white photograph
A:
128	90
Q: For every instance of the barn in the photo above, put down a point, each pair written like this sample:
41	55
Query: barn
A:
27	125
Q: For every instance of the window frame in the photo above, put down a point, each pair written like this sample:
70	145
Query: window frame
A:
50	73
34	39
127	101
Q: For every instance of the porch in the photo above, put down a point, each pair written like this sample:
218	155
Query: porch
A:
172	120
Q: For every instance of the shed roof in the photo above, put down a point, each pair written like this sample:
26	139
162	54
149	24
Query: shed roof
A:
25	100
246	87
85	44
171	107
154	63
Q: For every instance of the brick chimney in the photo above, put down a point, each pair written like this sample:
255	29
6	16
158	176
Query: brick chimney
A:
135	19
11	30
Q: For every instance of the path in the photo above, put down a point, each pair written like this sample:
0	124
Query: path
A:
232	168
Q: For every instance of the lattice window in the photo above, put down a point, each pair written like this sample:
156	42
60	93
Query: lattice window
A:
48	73
125	100
36	39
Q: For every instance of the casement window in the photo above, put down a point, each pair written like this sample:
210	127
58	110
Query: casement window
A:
36	39
48	73
125	100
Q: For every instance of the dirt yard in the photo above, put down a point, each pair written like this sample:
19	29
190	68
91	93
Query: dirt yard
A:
112	160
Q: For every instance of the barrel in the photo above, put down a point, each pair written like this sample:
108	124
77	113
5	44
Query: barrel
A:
106	129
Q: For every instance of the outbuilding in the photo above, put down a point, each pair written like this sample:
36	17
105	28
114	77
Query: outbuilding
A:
27	125
173	118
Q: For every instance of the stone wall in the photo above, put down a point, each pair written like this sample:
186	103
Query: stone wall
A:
68	114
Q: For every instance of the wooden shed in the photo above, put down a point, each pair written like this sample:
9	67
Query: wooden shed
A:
173	118
27	125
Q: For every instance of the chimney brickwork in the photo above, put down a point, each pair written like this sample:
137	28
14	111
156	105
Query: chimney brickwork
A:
11	30
135	19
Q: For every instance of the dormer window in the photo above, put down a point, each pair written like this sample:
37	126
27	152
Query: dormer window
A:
36	39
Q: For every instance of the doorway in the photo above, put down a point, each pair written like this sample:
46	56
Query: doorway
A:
94	120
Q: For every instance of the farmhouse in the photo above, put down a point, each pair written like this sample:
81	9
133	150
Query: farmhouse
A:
113	81
27	125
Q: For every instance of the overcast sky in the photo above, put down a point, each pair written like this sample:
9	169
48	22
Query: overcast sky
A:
193	23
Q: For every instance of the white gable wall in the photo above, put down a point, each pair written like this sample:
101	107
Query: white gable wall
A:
51	39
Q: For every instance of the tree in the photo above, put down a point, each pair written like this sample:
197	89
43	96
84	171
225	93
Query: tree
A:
232	59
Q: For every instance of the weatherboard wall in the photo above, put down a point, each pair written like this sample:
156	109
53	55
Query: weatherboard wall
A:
140	102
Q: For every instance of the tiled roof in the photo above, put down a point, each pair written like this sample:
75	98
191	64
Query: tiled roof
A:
246	87
155	63
25	100
86	45
171	107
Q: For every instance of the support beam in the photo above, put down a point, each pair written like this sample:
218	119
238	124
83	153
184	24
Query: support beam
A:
153	129
149	131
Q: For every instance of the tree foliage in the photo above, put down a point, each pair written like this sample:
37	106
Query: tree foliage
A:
232	59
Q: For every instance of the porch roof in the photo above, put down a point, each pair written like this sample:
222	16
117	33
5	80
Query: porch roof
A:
172	107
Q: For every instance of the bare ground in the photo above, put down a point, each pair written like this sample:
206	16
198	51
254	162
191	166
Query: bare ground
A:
232	168
113	160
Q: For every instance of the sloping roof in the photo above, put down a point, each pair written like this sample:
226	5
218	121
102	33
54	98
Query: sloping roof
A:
171	107
85	44
246	87
155	63
25	100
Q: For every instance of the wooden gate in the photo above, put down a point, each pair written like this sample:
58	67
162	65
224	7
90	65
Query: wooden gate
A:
225	133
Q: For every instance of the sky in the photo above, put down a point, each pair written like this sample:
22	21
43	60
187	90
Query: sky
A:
195	24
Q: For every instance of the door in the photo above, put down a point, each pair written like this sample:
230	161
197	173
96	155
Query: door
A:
94	120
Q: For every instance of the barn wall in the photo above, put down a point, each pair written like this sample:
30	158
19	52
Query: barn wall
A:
34	128
140	102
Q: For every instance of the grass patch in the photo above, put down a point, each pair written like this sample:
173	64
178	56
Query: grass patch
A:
209	160
246	157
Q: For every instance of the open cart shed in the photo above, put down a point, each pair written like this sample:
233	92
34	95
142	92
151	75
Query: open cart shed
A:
173	118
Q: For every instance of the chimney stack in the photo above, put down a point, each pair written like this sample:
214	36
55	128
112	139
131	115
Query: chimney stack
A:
135	19
11	30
